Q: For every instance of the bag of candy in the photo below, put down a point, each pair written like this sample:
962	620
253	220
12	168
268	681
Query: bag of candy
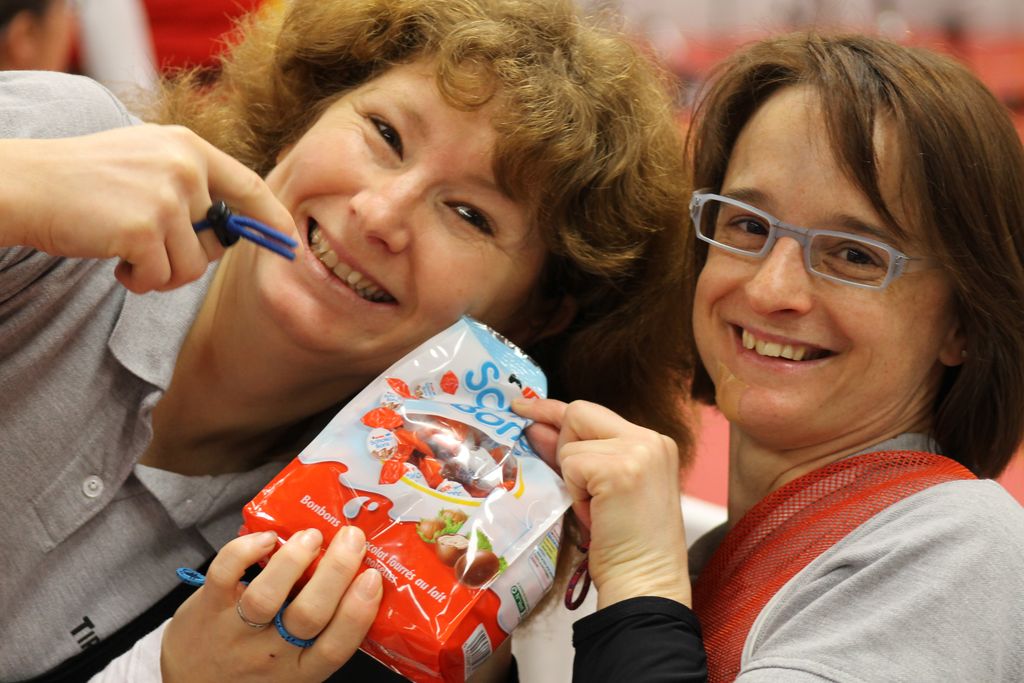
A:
461	517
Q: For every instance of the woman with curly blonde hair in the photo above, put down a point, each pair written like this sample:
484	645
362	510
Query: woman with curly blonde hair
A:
503	159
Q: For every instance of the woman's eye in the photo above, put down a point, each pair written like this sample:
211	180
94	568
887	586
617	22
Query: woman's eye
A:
860	257
752	226
389	134
474	218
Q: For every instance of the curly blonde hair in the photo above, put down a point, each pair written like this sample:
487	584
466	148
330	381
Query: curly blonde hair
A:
588	140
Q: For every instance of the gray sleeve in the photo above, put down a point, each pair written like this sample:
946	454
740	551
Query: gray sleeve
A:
46	104
931	589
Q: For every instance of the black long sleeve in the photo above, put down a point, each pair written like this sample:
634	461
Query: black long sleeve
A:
641	640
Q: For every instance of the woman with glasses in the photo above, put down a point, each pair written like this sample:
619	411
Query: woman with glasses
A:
858	272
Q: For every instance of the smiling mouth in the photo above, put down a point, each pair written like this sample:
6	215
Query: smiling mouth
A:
356	281
794	352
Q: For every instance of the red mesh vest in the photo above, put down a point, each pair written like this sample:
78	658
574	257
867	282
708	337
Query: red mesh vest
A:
792	526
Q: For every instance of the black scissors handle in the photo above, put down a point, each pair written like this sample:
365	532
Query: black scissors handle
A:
228	228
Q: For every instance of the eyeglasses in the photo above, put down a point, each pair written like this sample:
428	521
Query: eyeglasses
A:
740	228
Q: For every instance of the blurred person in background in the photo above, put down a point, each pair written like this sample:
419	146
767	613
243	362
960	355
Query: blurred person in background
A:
36	34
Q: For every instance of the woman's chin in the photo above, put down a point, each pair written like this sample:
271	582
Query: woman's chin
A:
771	421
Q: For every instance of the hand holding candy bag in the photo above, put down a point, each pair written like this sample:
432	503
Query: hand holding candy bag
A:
462	519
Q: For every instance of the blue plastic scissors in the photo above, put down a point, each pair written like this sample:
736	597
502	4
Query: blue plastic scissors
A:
228	228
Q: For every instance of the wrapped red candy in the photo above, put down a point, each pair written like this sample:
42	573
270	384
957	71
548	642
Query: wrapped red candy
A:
462	519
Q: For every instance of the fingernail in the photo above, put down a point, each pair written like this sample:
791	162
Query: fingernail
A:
310	538
265	538
353	538
368	584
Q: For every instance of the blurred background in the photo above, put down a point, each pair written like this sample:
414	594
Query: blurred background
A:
692	35
126	43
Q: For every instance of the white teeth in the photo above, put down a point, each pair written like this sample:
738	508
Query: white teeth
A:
773	349
354	279
341	270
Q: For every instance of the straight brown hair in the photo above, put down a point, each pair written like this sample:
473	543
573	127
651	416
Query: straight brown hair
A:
962	177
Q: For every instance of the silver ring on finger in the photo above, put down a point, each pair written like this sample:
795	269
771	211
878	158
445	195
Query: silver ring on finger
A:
246	620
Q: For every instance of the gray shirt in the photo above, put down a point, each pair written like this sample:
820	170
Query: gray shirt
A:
90	538
929	589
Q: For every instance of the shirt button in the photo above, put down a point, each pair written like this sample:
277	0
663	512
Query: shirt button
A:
92	486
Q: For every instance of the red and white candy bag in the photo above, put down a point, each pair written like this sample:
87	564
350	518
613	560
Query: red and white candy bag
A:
461	517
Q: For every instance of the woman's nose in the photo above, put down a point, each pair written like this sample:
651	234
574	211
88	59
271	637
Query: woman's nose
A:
781	282
384	210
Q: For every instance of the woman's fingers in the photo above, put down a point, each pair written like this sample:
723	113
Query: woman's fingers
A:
547	415
211	639
585	421
314	606
557	425
543	439
187	257
543	410
336	607
147	271
623	480
353	618
210	244
604	455
598	468
266	594
229	565
244	191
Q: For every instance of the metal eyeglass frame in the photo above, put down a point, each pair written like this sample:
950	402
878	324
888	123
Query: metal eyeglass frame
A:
777	228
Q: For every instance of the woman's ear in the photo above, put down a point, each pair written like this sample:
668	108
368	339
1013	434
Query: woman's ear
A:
560	317
544	320
953	351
